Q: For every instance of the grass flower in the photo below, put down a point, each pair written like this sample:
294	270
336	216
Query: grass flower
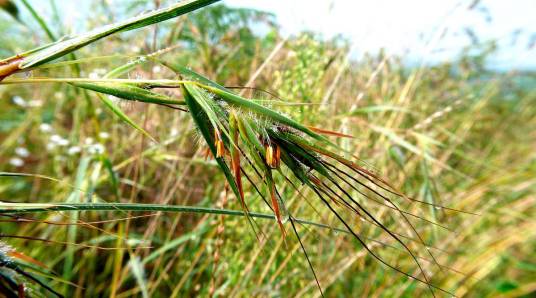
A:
251	140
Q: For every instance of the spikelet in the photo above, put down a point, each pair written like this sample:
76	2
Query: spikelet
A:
207	154
273	156
220	147
277	156
270	156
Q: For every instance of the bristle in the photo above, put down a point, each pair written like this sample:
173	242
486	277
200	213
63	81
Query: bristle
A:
277	210
207	154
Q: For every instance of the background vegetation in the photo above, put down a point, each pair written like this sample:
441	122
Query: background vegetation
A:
454	134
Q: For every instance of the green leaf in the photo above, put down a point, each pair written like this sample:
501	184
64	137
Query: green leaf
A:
62	48
117	111
191	74
379	109
139	272
14	208
129	92
120	70
39	20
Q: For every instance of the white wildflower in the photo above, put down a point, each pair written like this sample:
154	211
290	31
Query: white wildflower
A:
88	141
157	69
74	150
51	146
104	135
96	149
22	152
16	162
93	75
55	139
63	142
58	140
45	127
19	101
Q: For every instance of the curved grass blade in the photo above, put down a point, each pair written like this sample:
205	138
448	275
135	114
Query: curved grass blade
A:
191	74
39	20
117	111
19	208
129	92
67	46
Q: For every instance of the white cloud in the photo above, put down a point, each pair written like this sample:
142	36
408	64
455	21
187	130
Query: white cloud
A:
402	26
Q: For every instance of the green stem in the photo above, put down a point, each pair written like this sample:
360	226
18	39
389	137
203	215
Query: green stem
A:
39	20
14	208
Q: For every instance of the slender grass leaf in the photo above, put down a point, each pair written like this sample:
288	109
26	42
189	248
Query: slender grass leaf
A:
67	46
191	74
129	92
139	272
39	20
117	111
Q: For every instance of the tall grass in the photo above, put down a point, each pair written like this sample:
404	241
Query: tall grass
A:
379	179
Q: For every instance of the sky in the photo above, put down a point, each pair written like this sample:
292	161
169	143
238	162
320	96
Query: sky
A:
414	28
411	28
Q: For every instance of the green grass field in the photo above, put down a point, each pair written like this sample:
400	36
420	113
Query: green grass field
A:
129	156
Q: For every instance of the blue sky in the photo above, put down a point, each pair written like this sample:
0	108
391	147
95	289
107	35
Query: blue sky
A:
414	27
